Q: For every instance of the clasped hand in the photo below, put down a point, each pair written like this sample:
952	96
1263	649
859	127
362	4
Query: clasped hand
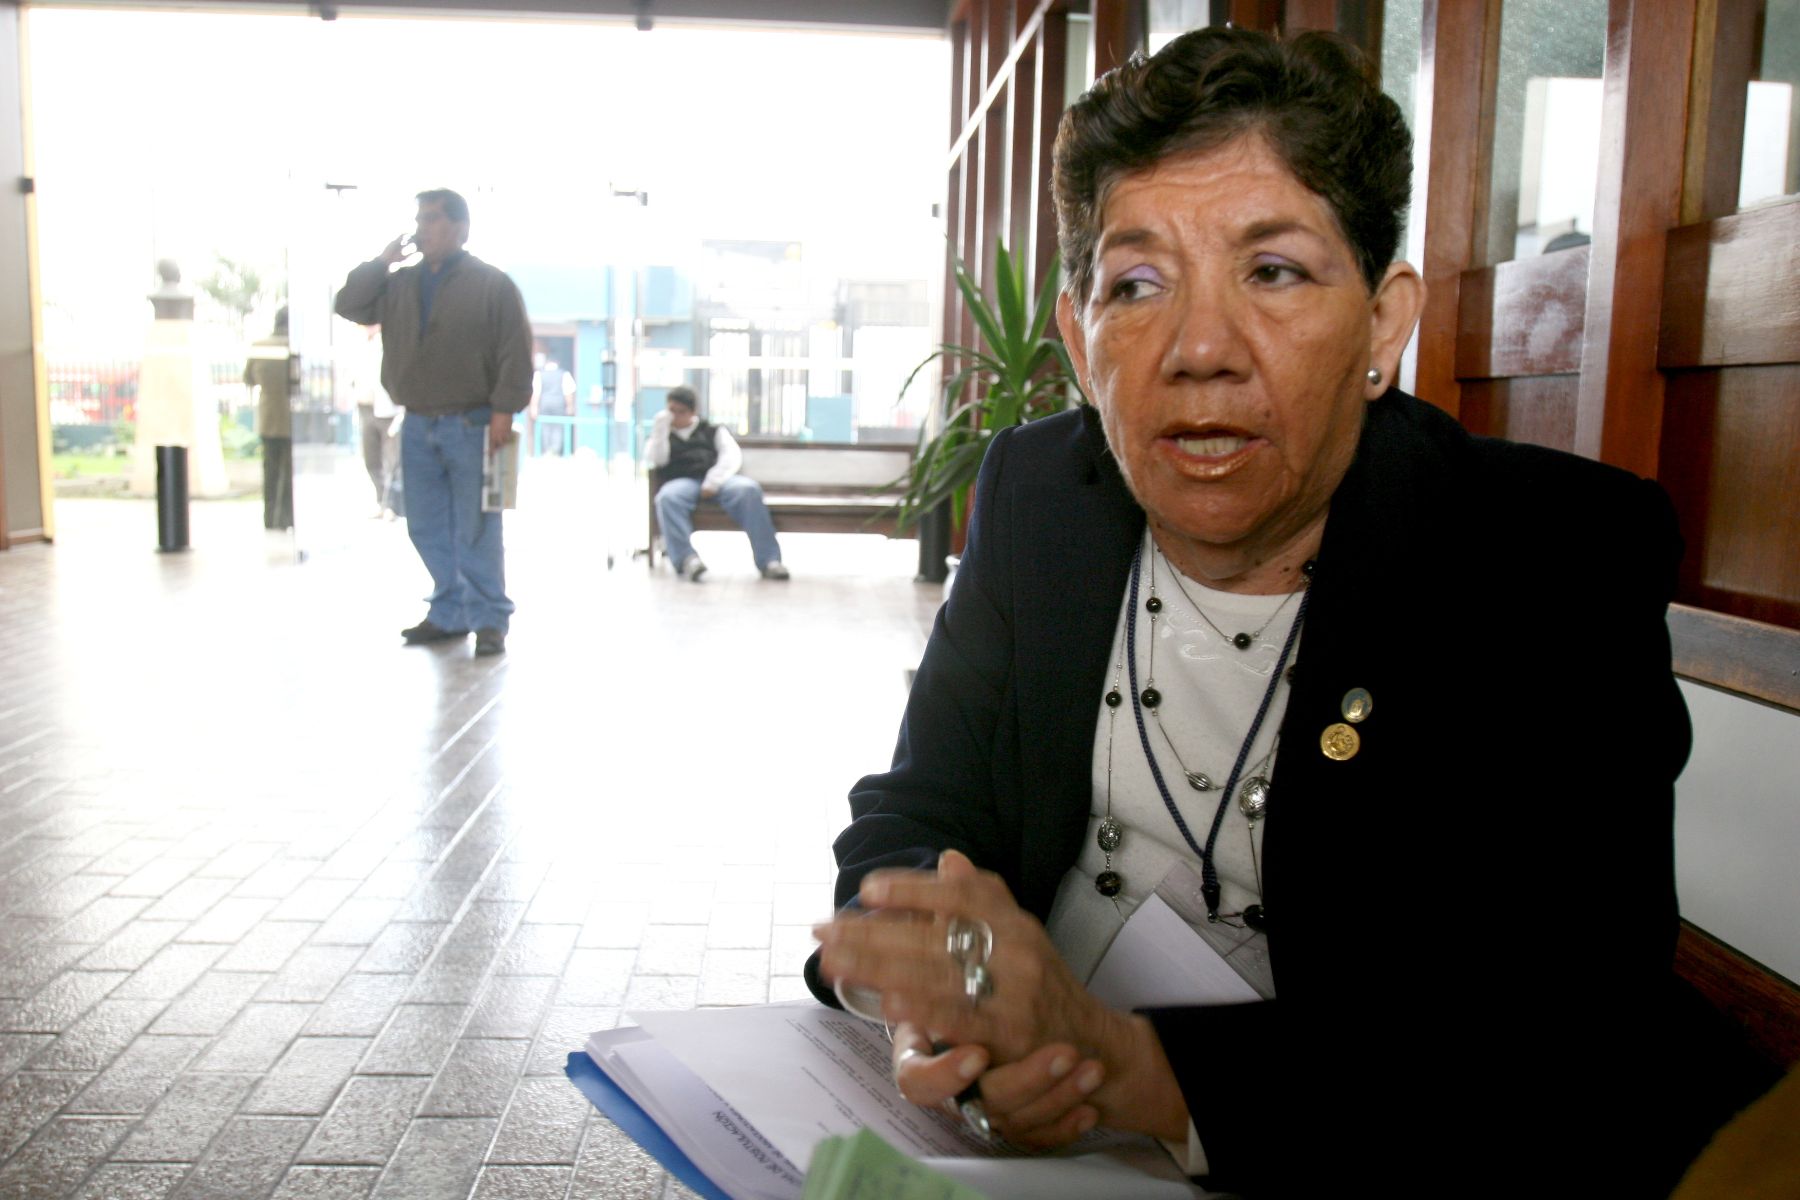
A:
1041	1046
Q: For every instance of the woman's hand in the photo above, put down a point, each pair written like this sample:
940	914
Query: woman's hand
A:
1034	1011
1038	1103
1033	999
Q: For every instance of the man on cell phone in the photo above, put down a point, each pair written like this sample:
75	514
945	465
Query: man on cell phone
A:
456	355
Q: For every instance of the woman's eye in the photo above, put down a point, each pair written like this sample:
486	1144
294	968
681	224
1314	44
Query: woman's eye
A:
1275	272
1131	287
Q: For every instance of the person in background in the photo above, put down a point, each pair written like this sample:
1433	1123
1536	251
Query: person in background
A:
699	461
456	356
552	395
376	417
269	371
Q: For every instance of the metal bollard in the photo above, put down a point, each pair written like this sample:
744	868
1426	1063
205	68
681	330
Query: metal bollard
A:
171	499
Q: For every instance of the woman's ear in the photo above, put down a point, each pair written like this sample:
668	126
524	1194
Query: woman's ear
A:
1394	314
1069	325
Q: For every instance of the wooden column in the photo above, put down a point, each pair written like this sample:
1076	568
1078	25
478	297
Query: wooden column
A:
1053	59
1118	32
1637	199
1459	65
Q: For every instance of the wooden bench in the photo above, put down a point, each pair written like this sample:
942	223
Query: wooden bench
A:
812	487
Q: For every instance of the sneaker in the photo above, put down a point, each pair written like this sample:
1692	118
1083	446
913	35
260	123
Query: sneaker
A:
693	569
489	641
425	632
776	572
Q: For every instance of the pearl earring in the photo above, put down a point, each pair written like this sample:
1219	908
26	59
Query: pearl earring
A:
1375	375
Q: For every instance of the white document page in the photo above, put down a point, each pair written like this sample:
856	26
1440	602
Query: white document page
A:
1158	960
804	1072
726	1147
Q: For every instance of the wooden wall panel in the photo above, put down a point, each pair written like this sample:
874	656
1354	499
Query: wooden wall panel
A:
1733	291
1637	200
1729	461
1459	59
1539	409
1751	658
1522	318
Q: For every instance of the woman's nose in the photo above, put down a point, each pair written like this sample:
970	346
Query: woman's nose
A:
1205	339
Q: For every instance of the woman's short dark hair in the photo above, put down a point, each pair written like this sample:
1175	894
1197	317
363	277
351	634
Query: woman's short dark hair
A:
1313	99
684	395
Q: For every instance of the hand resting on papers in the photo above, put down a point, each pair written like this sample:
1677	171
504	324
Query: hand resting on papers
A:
1051	1059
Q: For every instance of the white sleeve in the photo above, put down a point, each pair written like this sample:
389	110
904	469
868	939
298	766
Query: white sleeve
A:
1191	1157
657	448
730	459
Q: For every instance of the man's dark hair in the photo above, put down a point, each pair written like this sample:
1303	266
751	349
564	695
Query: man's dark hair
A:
684	396
1313	100
455	207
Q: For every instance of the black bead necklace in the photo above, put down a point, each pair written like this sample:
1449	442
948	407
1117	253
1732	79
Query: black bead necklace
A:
1242	640
1149	698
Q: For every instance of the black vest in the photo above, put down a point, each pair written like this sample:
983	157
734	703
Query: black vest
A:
691	457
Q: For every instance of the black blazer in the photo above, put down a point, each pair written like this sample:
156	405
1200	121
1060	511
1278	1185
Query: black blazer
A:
1471	921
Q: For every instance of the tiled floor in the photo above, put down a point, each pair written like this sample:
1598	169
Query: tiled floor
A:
289	910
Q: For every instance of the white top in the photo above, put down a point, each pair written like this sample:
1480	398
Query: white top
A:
1210	691
730	460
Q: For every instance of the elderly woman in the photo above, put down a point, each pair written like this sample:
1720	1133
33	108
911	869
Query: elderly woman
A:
1397	700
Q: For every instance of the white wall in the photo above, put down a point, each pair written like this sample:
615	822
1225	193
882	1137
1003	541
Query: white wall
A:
1737	827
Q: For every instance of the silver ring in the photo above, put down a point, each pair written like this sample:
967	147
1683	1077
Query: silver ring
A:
978	985
969	940
974	1115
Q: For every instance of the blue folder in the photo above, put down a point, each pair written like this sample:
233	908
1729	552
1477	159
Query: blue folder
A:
624	1112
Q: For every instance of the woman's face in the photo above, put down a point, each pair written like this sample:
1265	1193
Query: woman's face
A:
1226	344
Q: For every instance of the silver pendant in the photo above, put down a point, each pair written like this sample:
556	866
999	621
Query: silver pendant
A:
1109	835
1253	798
1200	782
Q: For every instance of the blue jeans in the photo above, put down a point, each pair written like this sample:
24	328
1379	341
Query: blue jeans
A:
440	459
742	500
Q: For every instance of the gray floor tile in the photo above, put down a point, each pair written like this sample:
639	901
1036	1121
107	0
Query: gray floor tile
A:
359	1006
60	1003
98	1036
267	947
186	1119
438	1159
131	947
566	1030
246	1160
671	950
512	1006
613	1167
327	1183
543	1124
139	1076
356	922
416	1041
308	1077
402	947
256	1038
27	971
169	972
367	1122
55	1161
595	978
132	1181
311	974
27	1100
477	1080
17	1048
523	1183
211	1004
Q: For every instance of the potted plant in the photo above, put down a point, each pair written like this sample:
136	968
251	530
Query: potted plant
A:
1019	372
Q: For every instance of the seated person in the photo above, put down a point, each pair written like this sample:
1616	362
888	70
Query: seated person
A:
699	460
1398	697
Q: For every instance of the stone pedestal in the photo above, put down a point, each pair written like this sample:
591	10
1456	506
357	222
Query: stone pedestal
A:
174	403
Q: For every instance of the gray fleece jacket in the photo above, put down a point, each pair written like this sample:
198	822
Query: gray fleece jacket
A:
474	353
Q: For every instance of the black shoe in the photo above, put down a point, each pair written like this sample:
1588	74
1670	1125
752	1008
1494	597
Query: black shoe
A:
490	641
425	632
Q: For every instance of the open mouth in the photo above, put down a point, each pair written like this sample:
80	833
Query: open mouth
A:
1210	442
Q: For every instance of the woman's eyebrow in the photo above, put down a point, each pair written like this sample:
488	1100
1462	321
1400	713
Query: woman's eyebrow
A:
1125	237
1275	227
